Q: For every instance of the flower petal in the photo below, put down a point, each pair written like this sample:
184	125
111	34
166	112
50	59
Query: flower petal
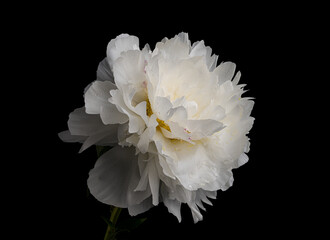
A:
150	176
184	38
202	196
146	137
225	71
129	69
162	162
97	95
136	123
66	136
142	207
174	48
214	112
177	132
153	181
120	44
96	102
237	78
108	136
203	128
162	108
197	216
144	180
242	160
190	164
114	178
104	72
110	115
89	129
83	124
179	115
144	140
173	207
199	49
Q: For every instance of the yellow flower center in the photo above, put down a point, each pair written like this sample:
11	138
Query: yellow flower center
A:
161	123
149	110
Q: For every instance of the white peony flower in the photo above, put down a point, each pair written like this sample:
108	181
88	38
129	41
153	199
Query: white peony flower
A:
177	122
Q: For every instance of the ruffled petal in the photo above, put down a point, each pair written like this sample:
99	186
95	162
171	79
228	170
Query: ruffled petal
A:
173	205
166	170
129	70
237	78
184	38
110	115
144	180
150	177
199	49
225	72
114	178
214	112
174	48
243	158
96	102
202	197
120	44
147	135
196	214
153	181
203	128
179	115
97	96
136	123
142	207
189	163
163	108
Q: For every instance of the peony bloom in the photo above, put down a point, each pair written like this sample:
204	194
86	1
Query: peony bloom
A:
176	121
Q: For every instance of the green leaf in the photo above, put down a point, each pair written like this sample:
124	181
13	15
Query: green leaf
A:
130	224
101	149
107	221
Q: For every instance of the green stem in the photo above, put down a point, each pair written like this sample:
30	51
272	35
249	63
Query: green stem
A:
115	214
111	231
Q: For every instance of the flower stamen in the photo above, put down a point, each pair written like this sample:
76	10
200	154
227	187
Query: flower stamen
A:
161	123
186	130
149	110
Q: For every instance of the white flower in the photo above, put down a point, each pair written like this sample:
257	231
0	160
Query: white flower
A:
177	122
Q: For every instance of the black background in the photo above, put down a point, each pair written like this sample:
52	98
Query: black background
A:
63	47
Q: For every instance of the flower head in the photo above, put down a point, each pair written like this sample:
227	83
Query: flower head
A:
177	121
